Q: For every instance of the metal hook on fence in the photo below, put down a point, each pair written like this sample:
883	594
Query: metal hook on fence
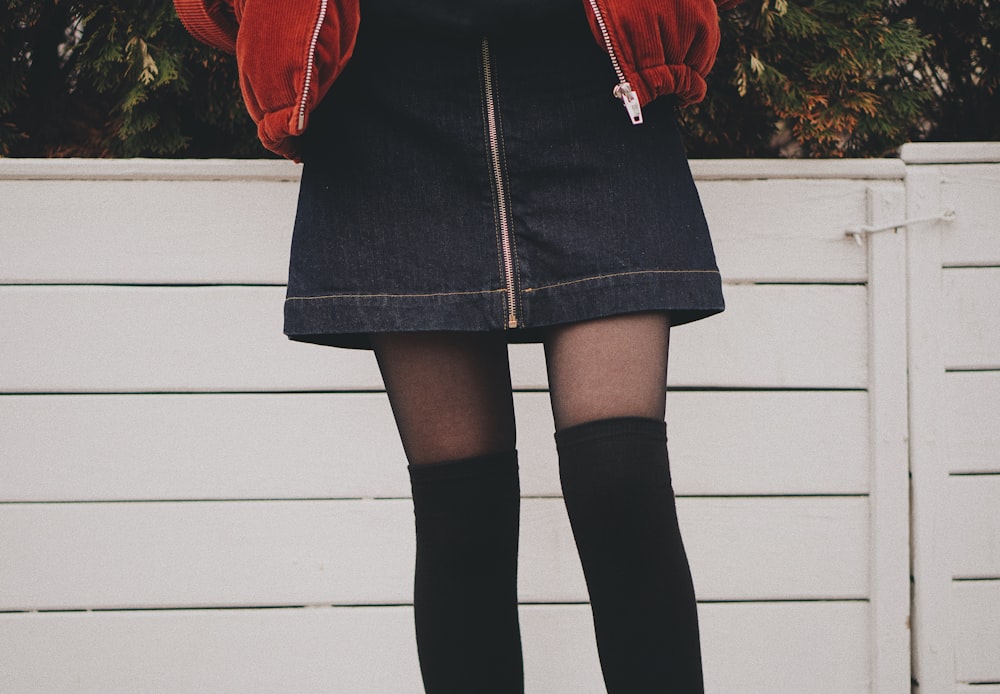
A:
857	232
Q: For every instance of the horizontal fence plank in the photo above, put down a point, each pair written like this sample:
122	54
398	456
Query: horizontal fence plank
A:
974	526
282	170
803	169
794	231
146	232
260	553
207	230
816	442
794	656
128	339
949	152
344	445
143	169
977	630
204	446
808	336
163	339
970	421
973	237
760	648
970	328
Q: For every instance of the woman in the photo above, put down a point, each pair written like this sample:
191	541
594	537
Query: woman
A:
471	179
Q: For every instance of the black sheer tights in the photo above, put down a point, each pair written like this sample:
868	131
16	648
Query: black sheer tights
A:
451	392
613	367
451	397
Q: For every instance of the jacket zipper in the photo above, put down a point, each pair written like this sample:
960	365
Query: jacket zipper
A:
623	90
310	65
506	240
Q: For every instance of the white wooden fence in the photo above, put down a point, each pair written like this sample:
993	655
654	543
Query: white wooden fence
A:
189	502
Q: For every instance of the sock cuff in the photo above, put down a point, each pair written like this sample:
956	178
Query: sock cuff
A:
475	467
635	428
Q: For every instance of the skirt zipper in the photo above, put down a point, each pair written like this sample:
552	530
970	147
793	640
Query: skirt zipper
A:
506	240
623	90
310	65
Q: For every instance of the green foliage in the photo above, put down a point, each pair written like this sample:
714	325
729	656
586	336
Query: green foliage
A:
812	78
115	79
960	66
794	78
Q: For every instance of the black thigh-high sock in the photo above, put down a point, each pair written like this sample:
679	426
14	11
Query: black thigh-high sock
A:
465	588
616	483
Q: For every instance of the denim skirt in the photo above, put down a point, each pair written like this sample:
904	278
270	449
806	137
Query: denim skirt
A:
486	179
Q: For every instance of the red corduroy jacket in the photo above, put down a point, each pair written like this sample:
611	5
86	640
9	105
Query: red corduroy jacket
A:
289	52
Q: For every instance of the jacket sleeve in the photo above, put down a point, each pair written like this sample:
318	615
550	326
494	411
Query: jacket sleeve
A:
663	46
288	53
210	21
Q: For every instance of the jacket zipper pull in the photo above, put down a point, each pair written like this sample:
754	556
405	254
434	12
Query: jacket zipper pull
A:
628	96
623	90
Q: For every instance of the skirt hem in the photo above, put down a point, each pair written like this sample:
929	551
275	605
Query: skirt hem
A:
348	320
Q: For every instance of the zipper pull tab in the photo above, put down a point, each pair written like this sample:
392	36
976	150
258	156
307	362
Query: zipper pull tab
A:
628	96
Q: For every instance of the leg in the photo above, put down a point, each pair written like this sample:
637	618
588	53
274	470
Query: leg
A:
612	367
451	397
608	384
450	393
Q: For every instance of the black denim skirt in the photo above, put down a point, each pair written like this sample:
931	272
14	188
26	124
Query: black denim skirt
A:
486	179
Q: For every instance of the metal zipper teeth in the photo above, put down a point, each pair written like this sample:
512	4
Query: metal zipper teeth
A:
623	90
506	243
311	65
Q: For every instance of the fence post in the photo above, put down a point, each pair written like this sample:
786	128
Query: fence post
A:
889	478
933	645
